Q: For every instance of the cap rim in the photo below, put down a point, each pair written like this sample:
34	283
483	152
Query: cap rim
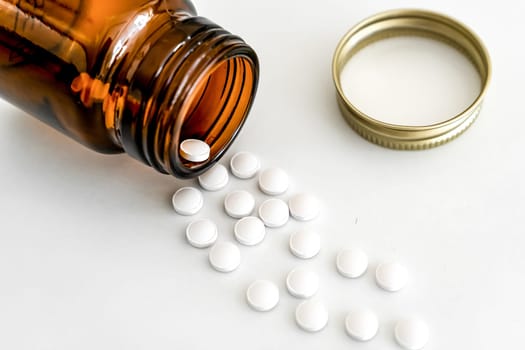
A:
406	22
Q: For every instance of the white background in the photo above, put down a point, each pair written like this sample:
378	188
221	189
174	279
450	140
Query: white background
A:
92	255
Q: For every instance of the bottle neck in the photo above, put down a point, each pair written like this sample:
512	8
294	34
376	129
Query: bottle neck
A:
183	78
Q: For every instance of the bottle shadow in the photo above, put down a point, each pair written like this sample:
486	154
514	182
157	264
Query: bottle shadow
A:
52	159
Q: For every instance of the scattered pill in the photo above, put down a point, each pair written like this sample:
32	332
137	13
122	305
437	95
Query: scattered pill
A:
239	204
214	179
244	165
311	315
274	213
202	233
412	334
305	244
194	150
187	201
362	325
302	283
352	263
249	231
304	207
391	277
225	257
262	295
273	181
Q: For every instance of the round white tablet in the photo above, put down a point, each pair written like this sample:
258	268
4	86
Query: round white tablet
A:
262	295
214	179
412	334
311	315
239	204
225	257
362	325
302	283
273	181
249	231
194	150
244	165
391	277
274	213
187	201
305	244
202	233
352	263
304	207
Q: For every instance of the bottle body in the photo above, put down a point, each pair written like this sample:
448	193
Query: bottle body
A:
129	76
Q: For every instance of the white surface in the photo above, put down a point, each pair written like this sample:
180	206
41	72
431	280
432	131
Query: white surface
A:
311	315
195	150
225	257
362	324
262	295
215	179
412	333
302	283
274	213
239	204
92	255
304	207
202	233
249	231
305	244
391	276
352	263
187	201
274	181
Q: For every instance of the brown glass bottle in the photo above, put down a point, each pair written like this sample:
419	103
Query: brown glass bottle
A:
132	76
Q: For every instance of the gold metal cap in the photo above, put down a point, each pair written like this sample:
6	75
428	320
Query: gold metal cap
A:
405	23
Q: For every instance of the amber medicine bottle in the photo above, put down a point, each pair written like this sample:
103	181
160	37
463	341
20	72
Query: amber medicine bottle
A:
130	76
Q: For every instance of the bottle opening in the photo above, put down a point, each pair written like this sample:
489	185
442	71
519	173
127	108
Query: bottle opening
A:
218	106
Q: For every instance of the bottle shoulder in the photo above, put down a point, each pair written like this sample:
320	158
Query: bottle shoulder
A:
122	22
75	31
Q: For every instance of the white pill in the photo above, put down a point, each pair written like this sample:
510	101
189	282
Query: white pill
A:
239	204
311	315
244	165
225	257
412	334
202	233
187	201
352	263
249	231
274	213
304	207
305	244
214	179
391	277
362	325
302	283
273	181
262	295
195	150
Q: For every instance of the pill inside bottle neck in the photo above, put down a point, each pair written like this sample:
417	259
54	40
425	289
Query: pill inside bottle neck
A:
410	81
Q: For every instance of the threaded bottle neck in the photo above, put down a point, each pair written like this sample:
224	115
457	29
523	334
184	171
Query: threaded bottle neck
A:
191	79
